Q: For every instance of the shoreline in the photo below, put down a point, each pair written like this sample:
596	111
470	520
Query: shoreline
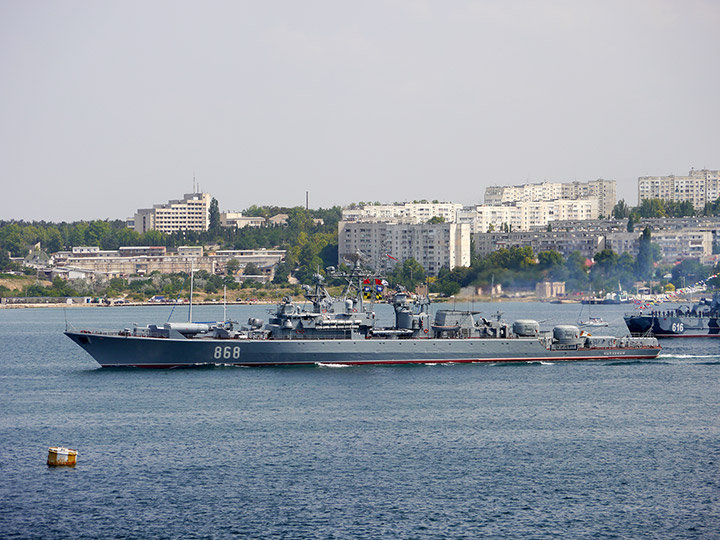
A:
441	301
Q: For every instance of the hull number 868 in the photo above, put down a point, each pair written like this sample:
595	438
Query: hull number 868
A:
226	353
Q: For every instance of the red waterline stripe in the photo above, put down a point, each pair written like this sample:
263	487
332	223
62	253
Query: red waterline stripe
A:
390	362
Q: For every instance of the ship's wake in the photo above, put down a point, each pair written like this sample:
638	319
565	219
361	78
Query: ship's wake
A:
331	365
689	356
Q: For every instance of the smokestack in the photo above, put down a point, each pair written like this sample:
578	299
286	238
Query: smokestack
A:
307	200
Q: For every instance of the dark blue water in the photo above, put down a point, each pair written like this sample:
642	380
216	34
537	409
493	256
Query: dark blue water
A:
578	450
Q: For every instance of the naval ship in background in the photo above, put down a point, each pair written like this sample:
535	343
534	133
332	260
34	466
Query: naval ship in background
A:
700	320
343	331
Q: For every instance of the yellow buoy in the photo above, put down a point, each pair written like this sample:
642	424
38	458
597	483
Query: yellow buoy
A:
61	456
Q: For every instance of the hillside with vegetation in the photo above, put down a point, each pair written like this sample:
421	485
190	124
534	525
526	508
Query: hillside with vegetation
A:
310	238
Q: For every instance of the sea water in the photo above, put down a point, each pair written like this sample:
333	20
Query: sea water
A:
537	450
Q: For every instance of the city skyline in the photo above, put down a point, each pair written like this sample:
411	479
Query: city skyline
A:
112	107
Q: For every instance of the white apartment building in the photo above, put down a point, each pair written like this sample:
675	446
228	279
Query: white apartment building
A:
387	244
404	213
526	215
543	191
698	187
603	190
191	213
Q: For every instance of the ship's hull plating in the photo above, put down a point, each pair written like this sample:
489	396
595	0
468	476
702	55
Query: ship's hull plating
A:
674	326
116	351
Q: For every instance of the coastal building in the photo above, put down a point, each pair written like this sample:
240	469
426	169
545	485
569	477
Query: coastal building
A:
191	213
143	260
550	289
602	190
698	187
385	244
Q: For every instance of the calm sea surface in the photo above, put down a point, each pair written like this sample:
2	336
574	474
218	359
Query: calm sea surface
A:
576	450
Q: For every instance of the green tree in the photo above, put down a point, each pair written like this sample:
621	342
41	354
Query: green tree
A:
282	271
214	215
232	266
688	272
251	269
606	261
644	262
651	208
577	271
409	274
435	219
620	210
549	259
679	208
11	239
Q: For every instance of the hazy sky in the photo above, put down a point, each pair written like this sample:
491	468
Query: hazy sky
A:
106	107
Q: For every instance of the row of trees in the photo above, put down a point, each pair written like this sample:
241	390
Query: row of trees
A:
659	208
310	239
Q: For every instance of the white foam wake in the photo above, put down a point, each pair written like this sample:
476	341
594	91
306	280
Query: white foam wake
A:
331	365
670	355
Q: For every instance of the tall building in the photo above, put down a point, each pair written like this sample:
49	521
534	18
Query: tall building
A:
602	190
525	215
386	244
698	187
405	213
191	213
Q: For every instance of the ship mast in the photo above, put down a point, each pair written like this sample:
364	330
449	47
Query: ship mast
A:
192	275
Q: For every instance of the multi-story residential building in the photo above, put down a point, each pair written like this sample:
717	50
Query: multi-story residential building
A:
386	244
689	244
622	241
674	244
191	213
699	187
404	213
543	191
523	216
602	190
563	242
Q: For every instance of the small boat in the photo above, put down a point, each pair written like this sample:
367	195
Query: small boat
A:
593	321
590	321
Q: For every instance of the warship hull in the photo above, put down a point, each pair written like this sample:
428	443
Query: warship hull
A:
110	350
674	326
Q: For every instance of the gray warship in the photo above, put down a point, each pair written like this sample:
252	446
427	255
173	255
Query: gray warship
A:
343	331
699	320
